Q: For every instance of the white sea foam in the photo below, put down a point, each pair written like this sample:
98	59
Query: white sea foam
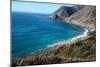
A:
85	33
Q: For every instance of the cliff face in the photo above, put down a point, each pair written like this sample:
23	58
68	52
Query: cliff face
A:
80	15
85	17
64	12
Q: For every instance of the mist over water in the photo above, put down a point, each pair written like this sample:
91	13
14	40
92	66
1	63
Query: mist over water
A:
31	32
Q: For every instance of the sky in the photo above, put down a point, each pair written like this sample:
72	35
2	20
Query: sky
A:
34	7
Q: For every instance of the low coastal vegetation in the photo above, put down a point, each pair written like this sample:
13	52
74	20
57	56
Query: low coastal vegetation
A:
81	51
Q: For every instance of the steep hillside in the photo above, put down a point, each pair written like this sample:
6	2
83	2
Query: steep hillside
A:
80	15
64	11
85	17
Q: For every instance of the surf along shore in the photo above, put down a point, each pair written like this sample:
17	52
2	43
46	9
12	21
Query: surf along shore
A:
72	40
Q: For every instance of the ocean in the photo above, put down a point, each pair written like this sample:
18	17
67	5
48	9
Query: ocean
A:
34	31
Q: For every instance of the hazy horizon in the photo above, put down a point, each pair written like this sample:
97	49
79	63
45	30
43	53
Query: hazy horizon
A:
35	7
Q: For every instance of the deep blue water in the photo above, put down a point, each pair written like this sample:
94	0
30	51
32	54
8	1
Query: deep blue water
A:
31	32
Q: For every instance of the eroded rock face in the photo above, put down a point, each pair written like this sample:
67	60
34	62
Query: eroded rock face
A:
64	12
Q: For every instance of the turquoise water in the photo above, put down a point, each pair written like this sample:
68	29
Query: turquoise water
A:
31	32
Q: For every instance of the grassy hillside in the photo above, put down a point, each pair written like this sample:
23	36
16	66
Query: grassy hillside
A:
81	51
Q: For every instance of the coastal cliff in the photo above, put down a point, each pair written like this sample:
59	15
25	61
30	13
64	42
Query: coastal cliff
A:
84	16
